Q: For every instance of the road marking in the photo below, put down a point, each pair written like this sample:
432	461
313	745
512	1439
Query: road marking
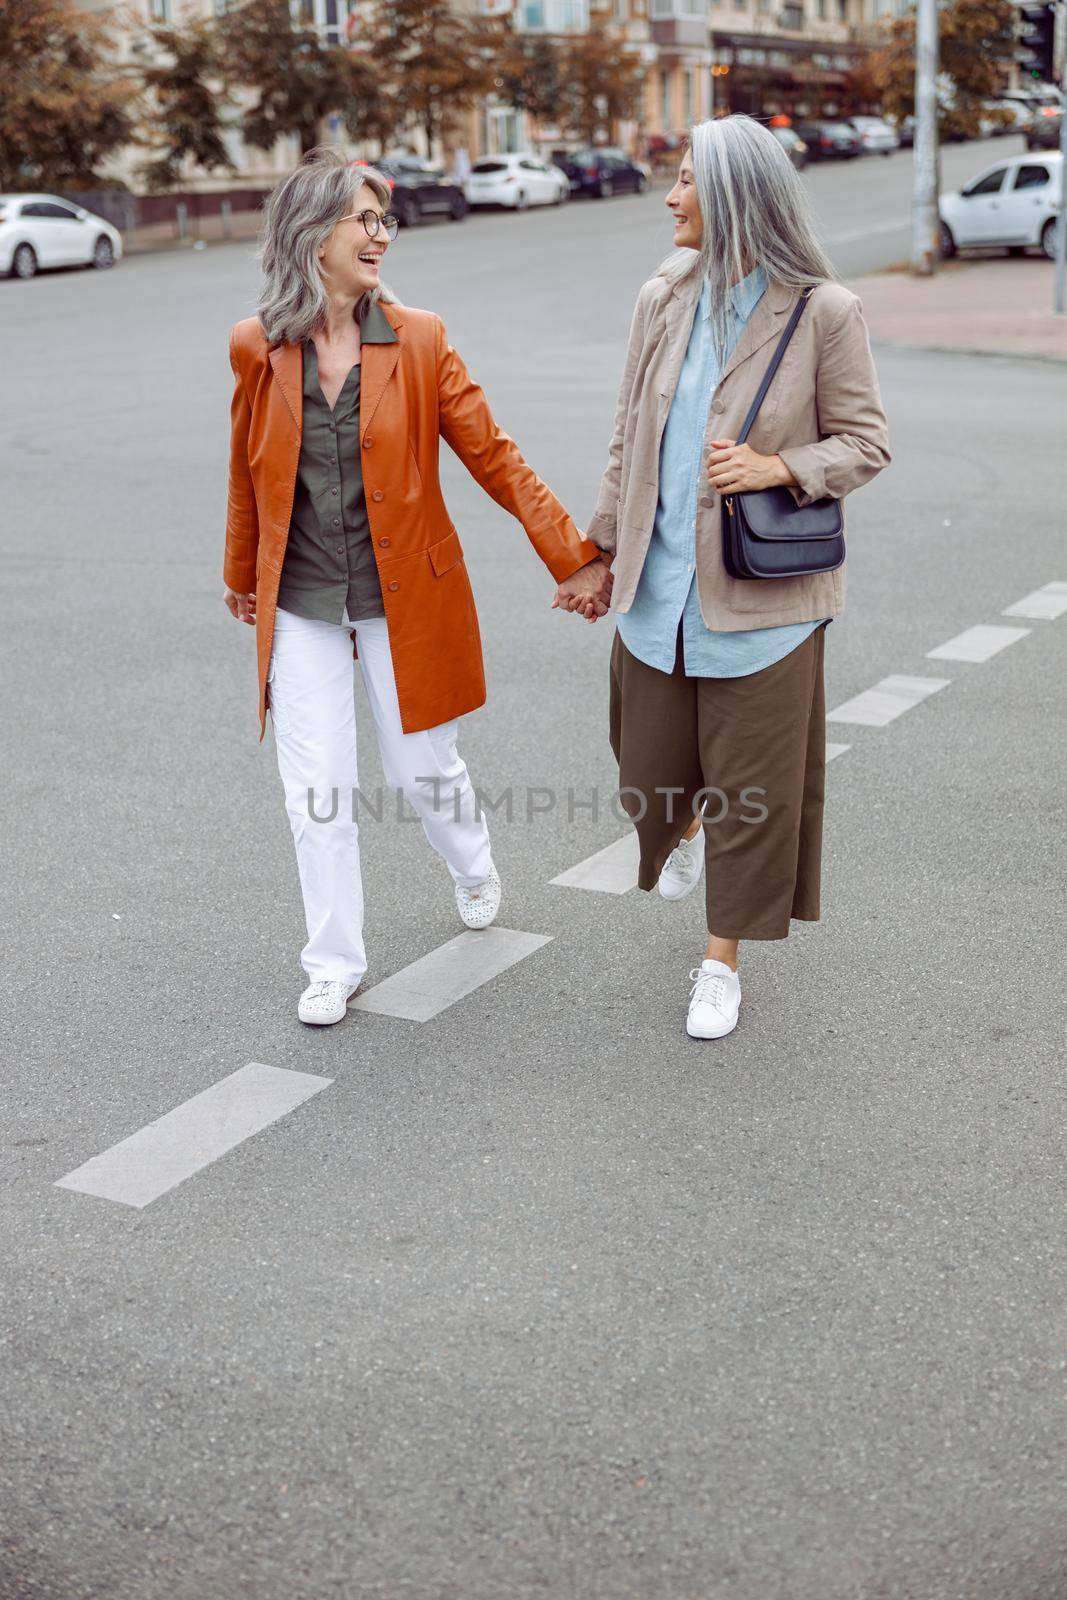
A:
1044	604
435	982
835	750
612	870
977	644
889	699
139	1169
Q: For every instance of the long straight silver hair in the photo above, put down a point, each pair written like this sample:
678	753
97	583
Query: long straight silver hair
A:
755	212
298	218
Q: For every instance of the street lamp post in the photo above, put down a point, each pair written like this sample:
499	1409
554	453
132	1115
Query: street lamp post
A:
925	246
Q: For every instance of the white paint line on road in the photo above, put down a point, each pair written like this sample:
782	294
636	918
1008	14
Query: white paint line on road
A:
835	750
888	700
977	644
612	870
166	1152
435	982
1045	604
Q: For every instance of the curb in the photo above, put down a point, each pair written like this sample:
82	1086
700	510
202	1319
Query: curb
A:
968	350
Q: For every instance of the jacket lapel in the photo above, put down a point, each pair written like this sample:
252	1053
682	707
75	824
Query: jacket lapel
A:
379	364
679	314
285	359
765	323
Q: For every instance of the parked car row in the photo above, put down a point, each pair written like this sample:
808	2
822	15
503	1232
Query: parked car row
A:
1013	204
522	179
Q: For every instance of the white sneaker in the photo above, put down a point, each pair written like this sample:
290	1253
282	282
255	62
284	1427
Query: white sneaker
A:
324	1002
681	870
714	1002
479	904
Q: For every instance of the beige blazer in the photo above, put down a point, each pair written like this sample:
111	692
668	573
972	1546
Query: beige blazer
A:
822	414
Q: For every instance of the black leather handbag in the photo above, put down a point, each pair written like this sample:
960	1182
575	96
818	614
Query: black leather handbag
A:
765	534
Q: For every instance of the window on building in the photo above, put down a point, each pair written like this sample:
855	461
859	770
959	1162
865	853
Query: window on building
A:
820	9
665	97
159	10
689	118
792	16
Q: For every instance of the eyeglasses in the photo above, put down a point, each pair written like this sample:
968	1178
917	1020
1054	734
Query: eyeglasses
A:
372	222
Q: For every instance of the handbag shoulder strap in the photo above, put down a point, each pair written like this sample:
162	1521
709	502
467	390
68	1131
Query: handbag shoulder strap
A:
790	329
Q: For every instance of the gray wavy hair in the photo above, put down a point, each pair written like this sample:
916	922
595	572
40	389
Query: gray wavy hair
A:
755	211
298	218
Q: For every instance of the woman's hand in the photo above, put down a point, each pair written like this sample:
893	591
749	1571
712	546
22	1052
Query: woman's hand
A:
242	606
588	590
736	468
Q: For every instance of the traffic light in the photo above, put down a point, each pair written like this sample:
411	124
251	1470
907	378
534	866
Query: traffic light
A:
1037	38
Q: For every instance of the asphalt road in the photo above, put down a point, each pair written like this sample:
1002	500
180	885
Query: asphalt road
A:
538	1298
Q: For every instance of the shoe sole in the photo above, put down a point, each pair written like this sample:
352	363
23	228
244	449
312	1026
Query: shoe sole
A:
721	1035
681	893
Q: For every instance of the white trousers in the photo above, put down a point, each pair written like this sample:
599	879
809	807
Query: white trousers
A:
313	715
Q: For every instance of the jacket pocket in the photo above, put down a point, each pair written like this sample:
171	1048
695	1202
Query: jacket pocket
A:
446	553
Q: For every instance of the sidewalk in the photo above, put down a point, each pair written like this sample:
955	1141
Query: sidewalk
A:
983	306
164	235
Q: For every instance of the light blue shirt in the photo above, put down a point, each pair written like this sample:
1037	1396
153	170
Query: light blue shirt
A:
667	591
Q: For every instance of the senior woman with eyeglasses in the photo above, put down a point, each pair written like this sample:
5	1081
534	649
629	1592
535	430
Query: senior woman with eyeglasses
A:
716	708
339	544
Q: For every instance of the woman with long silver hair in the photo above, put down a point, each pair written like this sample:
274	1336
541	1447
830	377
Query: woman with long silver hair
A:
717	715
339	544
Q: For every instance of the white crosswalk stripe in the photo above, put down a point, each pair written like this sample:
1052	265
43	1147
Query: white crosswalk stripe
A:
612	870
436	981
887	700
139	1169
977	644
1044	605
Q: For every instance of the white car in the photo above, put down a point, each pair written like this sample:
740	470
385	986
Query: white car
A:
516	180
878	135
1015	203
40	230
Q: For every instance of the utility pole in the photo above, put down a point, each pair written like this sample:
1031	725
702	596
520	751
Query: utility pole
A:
1061	231
925	221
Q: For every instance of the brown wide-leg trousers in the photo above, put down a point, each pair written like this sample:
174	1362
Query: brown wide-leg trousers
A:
752	751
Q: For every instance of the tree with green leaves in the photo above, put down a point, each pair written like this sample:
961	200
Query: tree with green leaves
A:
296	80
600	84
977	41
64	107
184	122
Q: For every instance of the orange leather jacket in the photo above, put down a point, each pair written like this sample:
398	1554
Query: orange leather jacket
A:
413	394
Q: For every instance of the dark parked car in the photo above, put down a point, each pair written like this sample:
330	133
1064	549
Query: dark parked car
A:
793	145
1043	129
421	190
602	172
828	141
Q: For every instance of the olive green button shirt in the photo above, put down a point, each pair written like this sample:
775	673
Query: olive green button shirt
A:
329	559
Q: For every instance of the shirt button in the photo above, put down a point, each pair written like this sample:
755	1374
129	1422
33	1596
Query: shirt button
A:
385	543
377	495
718	406
394	586
707	500
333	491
337	522
368	443
340	549
333	427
